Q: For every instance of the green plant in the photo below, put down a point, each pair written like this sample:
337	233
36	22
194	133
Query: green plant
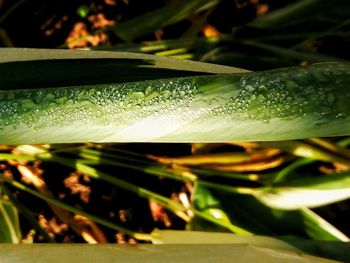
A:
228	103
286	189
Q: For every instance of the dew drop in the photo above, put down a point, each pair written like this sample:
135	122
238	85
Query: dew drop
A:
262	88
137	95
182	94
148	90
166	93
261	98
289	99
249	88
340	116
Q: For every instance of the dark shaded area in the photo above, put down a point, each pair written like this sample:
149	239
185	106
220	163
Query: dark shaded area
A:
328	249
58	73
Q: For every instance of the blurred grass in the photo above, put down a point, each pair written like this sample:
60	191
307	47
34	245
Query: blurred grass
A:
167	15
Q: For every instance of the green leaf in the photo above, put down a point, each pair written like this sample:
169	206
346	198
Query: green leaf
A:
319	229
53	105
9	223
303	149
204	201
307	192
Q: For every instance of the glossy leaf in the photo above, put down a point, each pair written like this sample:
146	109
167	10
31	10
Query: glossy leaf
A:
196	108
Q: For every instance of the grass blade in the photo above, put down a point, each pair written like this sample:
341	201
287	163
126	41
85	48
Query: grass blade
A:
317	227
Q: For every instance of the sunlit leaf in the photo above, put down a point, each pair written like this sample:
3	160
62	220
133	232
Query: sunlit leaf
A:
307	192
95	107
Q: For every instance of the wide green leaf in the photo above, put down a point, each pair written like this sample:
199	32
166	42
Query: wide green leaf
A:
56	105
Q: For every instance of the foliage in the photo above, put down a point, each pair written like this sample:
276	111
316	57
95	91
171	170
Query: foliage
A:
286	189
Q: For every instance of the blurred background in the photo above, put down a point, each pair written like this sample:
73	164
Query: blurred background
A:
231	32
